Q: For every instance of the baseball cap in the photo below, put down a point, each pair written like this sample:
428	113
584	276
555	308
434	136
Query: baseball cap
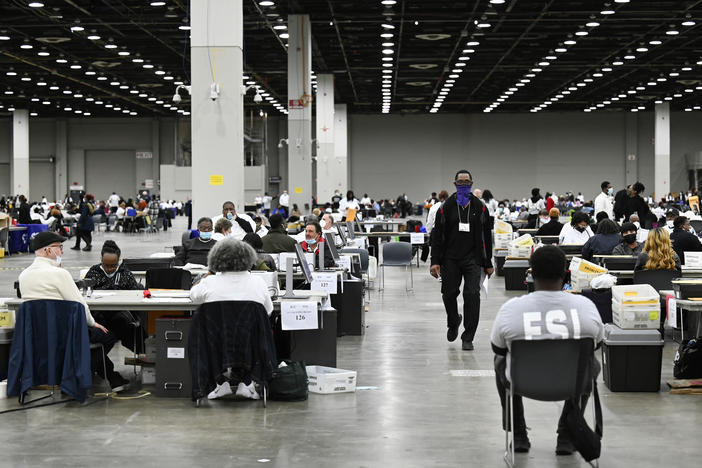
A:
44	238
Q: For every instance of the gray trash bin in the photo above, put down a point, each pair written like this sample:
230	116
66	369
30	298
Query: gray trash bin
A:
515	274
631	359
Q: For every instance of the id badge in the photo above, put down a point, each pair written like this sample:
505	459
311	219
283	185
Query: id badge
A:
464	227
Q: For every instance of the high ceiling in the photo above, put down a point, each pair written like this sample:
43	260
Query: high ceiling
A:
439	55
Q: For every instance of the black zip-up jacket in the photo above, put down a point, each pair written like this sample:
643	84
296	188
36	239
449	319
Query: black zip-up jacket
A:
445	232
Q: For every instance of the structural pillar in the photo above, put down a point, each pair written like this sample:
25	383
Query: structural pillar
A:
20	152
662	151
340	177
300	112
325	138
61	155
217	113
632	146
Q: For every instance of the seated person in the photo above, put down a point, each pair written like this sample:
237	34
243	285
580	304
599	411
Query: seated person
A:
328	226
280	209
277	240
265	262
578	231
629	244
641	234
261	229
602	243
222	229
313	242
241	222
683	240
196	250
552	227
658	253
231	260
534	316
45	279
110	274
295	214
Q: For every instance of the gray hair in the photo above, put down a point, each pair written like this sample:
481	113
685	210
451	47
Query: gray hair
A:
230	254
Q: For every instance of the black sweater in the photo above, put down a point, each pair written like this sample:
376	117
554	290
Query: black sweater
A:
447	242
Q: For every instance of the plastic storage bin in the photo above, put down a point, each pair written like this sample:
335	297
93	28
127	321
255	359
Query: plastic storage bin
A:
327	380
636	317
631	359
634	293
500	257
515	274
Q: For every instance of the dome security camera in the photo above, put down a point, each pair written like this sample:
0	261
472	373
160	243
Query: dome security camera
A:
177	98
258	98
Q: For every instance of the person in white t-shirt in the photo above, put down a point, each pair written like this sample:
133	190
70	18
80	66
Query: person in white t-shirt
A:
113	202
241	222
365	201
605	201
546	314
350	202
578	231
266	201
284	199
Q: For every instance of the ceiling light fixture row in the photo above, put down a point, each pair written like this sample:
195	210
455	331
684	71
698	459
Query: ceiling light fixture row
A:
387	36
616	62
545	61
642	87
456	71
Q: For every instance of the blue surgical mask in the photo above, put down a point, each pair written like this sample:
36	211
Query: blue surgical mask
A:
207	235
109	275
311	241
230	215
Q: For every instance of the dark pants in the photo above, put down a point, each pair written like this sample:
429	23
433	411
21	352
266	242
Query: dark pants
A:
531	221
452	273
121	325
84	234
107	340
518	405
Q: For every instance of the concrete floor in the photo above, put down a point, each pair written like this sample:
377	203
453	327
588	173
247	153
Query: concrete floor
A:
412	413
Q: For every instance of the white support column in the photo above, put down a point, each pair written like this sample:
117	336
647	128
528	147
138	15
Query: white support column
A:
299	112
20	152
217	124
325	138
340	173
156	155
61	156
662	151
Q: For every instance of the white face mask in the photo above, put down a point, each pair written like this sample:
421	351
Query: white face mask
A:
637	224
545	220
57	260
610	191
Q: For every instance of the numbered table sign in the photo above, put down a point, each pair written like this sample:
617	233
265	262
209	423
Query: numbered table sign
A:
417	238
324	282
299	315
344	262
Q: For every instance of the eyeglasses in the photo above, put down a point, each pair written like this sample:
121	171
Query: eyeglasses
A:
462	182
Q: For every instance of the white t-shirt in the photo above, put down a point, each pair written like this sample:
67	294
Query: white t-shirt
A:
232	286
267	202
113	200
237	232
569	235
365	201
284	199
431	217
546	315
345	205
534	208
603	202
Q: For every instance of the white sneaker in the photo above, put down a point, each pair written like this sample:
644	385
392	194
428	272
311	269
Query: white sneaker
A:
247	391
221	391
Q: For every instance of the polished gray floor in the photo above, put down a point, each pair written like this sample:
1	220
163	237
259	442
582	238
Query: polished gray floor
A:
412	410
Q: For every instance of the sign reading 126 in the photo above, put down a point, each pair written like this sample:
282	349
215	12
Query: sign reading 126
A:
299	315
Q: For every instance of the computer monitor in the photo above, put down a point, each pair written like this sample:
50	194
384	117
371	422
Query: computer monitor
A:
342	233
620	263
329	240
304	266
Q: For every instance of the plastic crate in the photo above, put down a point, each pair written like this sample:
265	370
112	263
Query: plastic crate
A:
502	240
326	380
636	317
635	293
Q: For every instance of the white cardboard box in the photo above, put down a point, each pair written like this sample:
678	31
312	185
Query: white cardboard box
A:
327	380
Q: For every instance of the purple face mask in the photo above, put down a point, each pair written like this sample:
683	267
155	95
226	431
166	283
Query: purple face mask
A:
463	194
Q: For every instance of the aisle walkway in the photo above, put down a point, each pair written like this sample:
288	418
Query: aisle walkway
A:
418	405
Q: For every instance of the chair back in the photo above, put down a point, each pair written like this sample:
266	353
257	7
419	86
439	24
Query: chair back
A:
696	225
397	254
50	346
659	279
168	278
551	370
363	253
147	263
